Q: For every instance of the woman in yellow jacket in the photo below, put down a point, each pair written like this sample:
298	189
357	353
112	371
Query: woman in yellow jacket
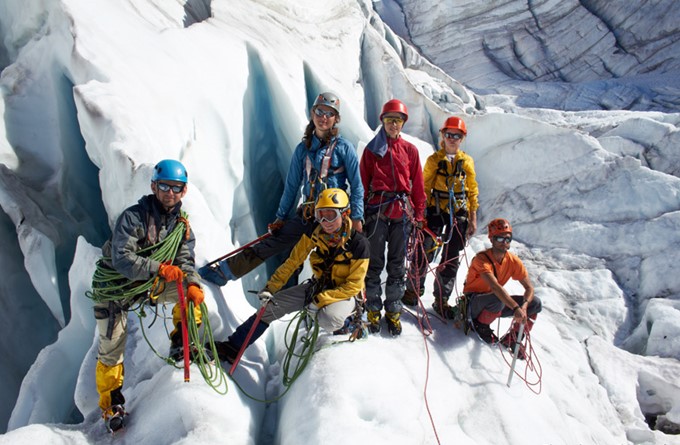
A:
451	188
339	258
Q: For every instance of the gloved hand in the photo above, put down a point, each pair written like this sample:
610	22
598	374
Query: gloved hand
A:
275	226
170	273
264	295
312	309
195	294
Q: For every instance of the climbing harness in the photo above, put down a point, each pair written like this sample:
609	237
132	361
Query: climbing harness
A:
317	177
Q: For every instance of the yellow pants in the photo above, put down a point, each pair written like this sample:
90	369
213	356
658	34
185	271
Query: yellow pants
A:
112	327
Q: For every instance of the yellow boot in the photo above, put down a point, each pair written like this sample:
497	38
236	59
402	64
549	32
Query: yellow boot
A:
373	321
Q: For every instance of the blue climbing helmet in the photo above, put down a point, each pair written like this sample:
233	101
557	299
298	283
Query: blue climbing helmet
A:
170	170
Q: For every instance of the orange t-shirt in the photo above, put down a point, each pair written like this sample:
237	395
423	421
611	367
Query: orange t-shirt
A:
511	267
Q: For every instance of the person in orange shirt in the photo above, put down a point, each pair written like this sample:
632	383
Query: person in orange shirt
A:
487	299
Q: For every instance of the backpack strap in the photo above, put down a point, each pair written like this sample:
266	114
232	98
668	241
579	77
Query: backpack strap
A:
492	264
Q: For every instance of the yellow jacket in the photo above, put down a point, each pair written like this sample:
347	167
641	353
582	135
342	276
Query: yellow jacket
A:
438	180
345	265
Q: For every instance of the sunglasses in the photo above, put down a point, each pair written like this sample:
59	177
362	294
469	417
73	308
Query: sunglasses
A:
502	239
163	187
393	120
327	215
321	113
454	136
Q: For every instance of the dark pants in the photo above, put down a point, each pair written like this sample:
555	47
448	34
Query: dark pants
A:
489	307
394	234
283	239
453	234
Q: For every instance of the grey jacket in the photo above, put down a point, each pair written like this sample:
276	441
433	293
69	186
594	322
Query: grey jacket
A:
142	225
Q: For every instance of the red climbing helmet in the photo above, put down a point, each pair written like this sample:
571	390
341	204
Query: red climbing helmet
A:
394	106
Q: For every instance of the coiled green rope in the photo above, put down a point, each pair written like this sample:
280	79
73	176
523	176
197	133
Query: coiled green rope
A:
305	335
108	285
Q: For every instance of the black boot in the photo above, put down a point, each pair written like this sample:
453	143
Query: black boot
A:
228	350
410	298
441	307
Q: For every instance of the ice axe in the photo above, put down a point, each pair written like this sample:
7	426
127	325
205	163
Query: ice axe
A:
518	344
246	342
185	331
243	247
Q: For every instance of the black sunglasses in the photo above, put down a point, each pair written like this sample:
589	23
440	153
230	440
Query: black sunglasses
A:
502	239
455	136
163	187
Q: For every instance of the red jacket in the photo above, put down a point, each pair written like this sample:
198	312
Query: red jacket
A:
398	171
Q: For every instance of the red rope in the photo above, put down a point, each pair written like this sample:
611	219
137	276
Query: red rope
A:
533	371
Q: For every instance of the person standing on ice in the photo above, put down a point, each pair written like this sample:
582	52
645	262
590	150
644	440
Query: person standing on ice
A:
487	299
338	255
141	232
451	189
323	159
395	200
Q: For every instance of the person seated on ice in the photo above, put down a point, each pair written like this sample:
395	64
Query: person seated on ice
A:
451	189
339	260
395	200
322	160
487	300
150	250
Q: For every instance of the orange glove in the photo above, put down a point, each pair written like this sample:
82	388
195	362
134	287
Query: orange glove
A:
195	294
170	272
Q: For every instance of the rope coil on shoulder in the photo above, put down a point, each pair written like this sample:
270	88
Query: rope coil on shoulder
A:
110	285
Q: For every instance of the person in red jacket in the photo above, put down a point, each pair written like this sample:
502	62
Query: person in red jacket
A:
394	193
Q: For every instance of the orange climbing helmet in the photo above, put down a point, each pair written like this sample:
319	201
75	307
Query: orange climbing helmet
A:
499	226
454	123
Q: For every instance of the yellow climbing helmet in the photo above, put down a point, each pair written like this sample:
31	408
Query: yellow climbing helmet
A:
332	199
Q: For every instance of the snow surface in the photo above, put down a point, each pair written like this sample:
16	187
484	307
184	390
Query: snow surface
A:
95	93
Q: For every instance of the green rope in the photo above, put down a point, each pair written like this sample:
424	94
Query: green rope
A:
210	369
307	340
111	285
308	343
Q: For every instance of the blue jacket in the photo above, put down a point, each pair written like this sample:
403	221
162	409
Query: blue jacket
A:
344	155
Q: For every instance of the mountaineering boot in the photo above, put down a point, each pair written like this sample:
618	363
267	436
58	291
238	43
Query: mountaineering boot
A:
373	321
347	327
410	298
442	308
393	322
218	273
354	325
114	417
226	351
484	332
177	352
509	340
